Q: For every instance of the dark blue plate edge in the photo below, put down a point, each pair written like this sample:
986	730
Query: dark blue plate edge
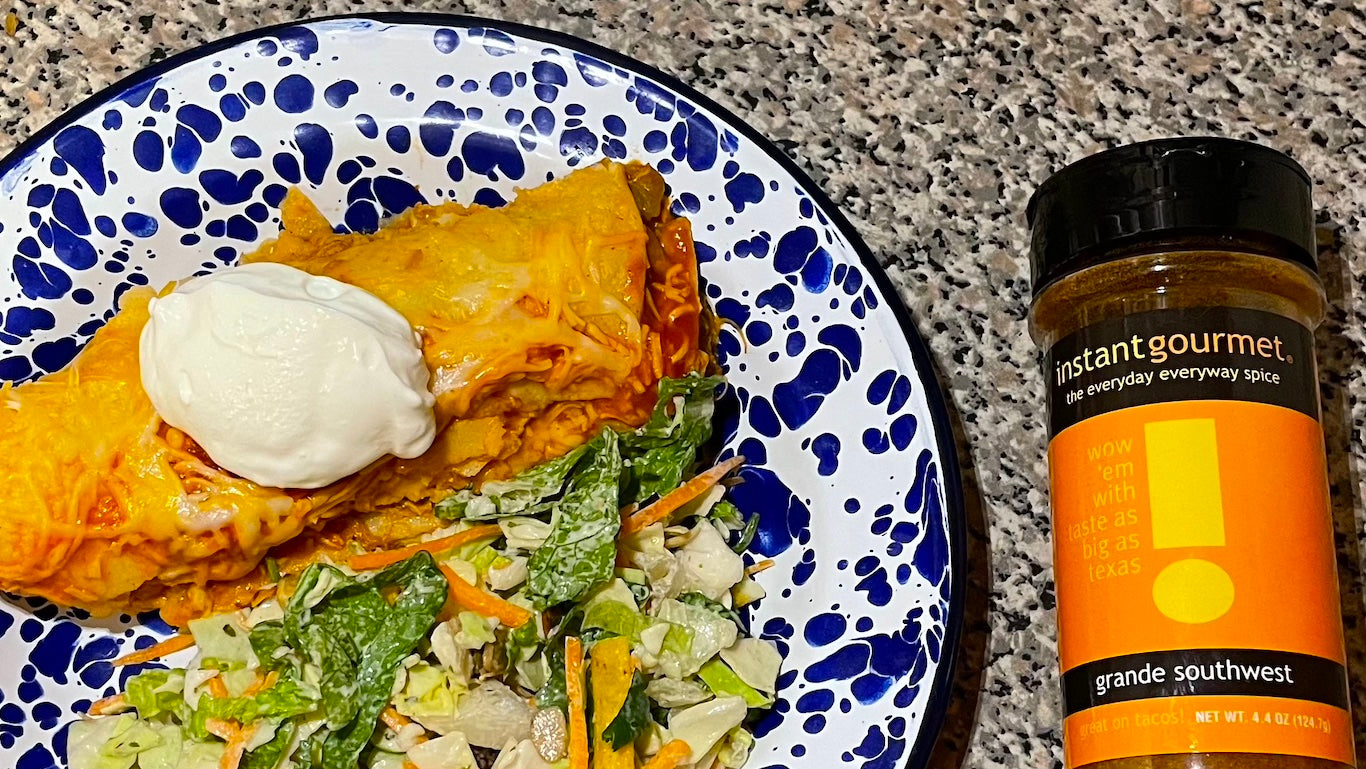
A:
940	688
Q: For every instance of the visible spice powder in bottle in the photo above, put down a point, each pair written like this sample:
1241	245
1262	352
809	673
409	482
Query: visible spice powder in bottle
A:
1175	294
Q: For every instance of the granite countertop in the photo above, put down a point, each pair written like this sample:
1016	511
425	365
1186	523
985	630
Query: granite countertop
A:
930	125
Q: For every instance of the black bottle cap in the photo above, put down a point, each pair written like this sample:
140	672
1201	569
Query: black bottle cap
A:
1209	190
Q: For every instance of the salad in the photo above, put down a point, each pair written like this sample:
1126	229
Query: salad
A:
582	613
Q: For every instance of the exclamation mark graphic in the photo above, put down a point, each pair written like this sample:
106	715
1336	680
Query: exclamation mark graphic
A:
1187	511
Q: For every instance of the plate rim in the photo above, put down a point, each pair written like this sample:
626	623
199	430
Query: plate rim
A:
936	707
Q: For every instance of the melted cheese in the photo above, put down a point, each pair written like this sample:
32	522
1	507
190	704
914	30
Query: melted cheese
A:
541	321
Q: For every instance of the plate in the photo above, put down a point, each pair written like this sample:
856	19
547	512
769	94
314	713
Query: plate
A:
180	168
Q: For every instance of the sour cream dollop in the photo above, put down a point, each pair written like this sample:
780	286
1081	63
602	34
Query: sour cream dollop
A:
285	378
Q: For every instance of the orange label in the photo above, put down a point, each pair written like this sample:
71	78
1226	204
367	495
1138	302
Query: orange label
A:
1198	602
1211	725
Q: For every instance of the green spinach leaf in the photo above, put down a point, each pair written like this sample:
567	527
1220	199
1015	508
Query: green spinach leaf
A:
267	640
633	718
742	543
553	694
357	637
581	550
272	754
662	451
526	494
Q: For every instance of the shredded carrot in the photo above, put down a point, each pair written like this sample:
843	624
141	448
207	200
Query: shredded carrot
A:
384	558
108	705
217	689
237	746
667	504
487	604
670	756
763	565
220	728
262	683
152	653
409	764
394	719
578	718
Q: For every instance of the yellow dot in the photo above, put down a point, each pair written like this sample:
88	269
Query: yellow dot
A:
1193	591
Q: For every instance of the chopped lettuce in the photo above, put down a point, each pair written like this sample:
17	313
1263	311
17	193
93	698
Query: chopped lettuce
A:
168	750
716	607
224	645
652	639
383	759
522	649
429	697
449	752
270	609
474	631
176	752
463	569
701	506
672	693
746	592
155	692
616	618
582	547
289	697
707	565
725	683
523	755
613	608
756	662
677	639
270	644
647	553
525	494
191	755
508	573
120	742
534	673
481	557
735	748
725	513
702	726
710	633
615	591
109	743
523	533
455	660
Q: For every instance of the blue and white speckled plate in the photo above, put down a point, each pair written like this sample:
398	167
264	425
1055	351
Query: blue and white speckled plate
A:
180	168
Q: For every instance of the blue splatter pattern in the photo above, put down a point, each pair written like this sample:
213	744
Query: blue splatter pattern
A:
185	171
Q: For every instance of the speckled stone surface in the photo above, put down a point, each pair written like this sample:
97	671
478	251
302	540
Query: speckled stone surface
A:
931	125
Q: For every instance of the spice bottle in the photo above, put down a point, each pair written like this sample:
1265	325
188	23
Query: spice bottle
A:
1175	294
